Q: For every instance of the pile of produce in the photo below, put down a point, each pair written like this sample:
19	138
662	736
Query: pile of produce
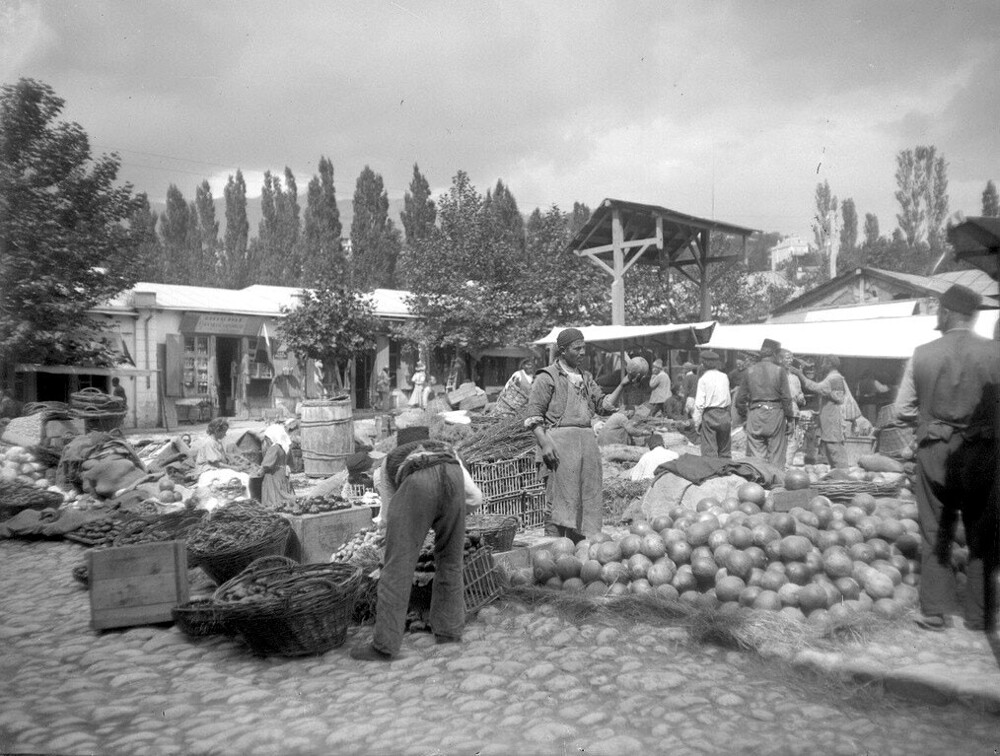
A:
168	527
496	437
364	549
825	561
318	504
232	527
424	571
23	466
97	533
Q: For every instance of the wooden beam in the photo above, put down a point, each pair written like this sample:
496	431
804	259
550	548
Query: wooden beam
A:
611	247
618	283
596	260
706	295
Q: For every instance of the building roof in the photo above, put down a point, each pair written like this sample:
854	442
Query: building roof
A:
896	309
977	241
261	300
920	286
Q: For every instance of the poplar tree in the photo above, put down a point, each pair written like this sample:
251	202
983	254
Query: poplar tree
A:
375	242
174	223
991	201
234	261
322	253
419	212
208	232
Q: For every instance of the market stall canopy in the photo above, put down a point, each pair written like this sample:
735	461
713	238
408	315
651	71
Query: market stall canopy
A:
876	338
613	338
977	241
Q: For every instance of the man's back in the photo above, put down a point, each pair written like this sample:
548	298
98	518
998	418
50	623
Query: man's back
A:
950	374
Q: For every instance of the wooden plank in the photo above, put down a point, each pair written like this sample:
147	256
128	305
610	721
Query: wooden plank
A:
136	585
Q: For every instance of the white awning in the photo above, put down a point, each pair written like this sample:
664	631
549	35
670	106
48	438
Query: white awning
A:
613	338
875	338
122	370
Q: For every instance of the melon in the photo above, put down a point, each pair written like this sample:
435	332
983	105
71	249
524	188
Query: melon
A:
837	563
679	552
814	561
798	573
716	538
804	516
562	546
653	546
880	548
600	537
630	545
739	564
638	565
888	608
702	552
609	551
729	588
900	562
572	585
789	594
749	594
890	572
568	566
755	575
596	588
637	367
617	589
704	571
730	505
909	545
906	595
521	576
793	613
661	523
741	537
757	556
590	571
772	580
707	600
853	515
764	534
698	533
850	535
773	550
868	526
661	572
752	493
722	553
641	528
861	552
865	501
684	579
614	572
690	597
783	522
878	585
748	507
543	565
767	599
818	618
667	591
707	504
796	480
640	586
554	583
827	539
812	597
794	548
891	530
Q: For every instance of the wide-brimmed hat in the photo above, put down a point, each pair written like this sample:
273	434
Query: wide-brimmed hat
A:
961	299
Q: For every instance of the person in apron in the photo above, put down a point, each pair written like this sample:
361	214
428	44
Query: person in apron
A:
564	400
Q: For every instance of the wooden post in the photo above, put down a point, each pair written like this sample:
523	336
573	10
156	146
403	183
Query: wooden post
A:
618	282
706	296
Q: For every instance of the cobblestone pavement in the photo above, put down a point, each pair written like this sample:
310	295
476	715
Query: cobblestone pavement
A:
522	682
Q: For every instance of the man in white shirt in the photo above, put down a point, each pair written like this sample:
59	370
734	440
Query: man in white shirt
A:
711	409
645	468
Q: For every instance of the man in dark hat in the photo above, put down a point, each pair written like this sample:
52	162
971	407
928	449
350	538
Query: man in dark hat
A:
564	400
712	413
424	486
764	402
949	390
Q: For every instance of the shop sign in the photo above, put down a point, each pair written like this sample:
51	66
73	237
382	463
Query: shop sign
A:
220	324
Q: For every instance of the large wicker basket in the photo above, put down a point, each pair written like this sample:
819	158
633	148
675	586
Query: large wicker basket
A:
495	531
301	610
220	566
201	617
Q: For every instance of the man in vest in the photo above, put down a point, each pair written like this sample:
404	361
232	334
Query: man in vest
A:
764	402
949	389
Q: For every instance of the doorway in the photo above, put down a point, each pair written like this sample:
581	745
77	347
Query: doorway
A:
229	379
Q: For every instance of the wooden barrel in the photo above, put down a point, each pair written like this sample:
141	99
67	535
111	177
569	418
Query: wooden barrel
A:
327	436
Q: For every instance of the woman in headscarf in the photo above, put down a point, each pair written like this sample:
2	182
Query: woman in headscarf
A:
564	400
418	379
276	488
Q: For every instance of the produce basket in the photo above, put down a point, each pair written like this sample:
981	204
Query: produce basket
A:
858	446
482	580
292	610
894	439
16	497
201	617
845	490
99	420
495	531
234	537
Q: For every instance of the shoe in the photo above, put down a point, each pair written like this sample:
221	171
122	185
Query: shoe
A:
439	639
933	622
369	653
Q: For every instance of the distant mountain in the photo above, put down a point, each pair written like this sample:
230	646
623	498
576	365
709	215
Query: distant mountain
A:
254	213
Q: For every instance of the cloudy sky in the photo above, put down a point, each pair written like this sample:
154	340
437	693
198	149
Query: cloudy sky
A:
732	110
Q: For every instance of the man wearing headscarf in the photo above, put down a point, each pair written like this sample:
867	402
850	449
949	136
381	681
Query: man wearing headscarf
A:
712	415
764	402
659	383
423	486
564	400
276	488
950	391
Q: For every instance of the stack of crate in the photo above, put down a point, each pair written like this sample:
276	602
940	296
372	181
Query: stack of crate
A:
512	487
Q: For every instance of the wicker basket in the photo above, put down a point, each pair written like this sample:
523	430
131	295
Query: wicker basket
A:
201	617
857	447
482	580
844	490
220	566
495	531
894	439
306	608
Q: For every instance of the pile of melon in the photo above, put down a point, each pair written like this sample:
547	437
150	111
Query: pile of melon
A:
823	561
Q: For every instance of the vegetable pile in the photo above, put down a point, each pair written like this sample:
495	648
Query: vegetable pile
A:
318	505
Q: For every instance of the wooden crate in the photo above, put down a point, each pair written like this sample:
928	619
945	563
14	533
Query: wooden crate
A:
785	501
136	585
315	537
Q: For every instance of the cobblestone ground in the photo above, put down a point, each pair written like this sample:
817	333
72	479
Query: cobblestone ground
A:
523	682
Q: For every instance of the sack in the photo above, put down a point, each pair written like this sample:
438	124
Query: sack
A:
850	409
879	463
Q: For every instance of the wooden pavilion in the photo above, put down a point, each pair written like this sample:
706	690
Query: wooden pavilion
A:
620	234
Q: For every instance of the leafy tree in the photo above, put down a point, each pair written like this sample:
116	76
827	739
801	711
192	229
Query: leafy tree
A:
912	183
175	225
501	207
419	212
65	241
991	201
142	222
936	199
849	227
322	256
375	240
235	262
463	277
759	250
332	324
578	218
825	217
208	231
872	234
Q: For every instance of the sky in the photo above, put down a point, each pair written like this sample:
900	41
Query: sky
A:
726	110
